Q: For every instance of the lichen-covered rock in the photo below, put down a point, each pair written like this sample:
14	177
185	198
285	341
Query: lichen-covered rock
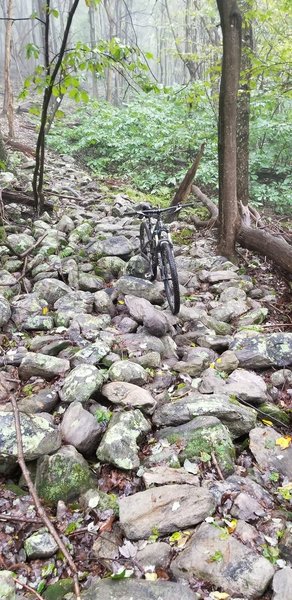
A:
5	311
81	233
281	377
7	585
63	476
67	307
90	325
260	351
25	307
40	545
38	437
194	361
268	454
128	589
110	267
119	444
90	283
202	436
38	323
137	266
227	362
51	291
125	370
238	419
42	365
44	401
139	287
167	509
80	429
91	354
20	242
282	584
129	396
224	562
81	383
117	245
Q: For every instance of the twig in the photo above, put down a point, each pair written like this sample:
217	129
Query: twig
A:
28	251
36	499
215	462
19	519
28	588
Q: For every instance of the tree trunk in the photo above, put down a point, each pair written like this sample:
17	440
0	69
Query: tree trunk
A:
262	242
228	208
92	31
8	94
243	109
3	154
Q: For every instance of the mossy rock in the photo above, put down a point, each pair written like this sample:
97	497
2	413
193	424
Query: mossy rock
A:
58	590
272	411
63	476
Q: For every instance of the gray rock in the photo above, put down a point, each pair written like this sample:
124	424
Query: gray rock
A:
130	372
106	546
139	589
224	562
81	233
20	242
249	499
7	585
81	383
137	344
6	279
246	385
150	360
117	245
227	362
139	287
5	311
215	342
202	435
260	351
127	325
103	303
44	401
238	419
215	276
118	445
72	304
229	310
38	323
110	267
66	224
192	313
90	283
91	354
232	293
80	429
42	365
164	475
194	361
25	307
141	310
137	266
129	395
62	476
282	584
90	325
268	454
38	437
51	291
281	377
40	545
167	509
253	317
156	555
49	344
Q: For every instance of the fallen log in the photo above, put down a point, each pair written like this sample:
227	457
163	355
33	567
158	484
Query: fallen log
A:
266	244
9	197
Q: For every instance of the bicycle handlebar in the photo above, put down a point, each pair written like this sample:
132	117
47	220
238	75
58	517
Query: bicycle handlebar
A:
156	211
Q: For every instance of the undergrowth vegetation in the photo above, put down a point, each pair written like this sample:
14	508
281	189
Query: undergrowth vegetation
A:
151	142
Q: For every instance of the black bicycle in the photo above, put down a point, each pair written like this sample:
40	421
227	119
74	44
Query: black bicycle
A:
157	248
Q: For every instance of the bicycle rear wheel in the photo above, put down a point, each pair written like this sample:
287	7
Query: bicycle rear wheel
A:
170	277
146	250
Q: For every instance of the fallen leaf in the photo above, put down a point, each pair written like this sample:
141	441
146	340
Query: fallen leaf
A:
219	595
266	422
151	576
284	442
45	310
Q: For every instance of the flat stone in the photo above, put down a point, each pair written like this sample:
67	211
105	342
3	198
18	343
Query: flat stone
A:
282	584
5	311
164	475
42	365
130	372
90	325
215	276
44	401
261	351
139	287
167	509
224	562
91	354
138	589
238	419
90	283
117	245
20	242
269	455
119	444
129	395
155	555
248	386
81	383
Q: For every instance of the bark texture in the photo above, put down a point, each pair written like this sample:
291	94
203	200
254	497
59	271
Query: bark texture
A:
228	207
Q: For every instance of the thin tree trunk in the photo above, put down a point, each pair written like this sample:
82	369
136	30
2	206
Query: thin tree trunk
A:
243	110
228	208
92	31
8	94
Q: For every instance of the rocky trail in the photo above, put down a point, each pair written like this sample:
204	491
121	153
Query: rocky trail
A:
161	445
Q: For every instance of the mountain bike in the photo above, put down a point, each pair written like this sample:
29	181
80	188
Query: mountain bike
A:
157	248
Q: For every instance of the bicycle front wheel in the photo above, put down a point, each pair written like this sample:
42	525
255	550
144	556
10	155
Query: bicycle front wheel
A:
170	277
146	250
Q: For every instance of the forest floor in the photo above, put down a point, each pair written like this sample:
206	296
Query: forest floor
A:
225	357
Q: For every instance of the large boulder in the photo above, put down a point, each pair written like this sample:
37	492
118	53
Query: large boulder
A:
81	383
41	365
257	351
223	561
139	287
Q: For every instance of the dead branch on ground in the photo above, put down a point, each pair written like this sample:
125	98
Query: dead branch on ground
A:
184	188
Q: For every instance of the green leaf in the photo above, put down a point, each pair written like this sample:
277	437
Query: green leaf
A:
217	556
31	50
